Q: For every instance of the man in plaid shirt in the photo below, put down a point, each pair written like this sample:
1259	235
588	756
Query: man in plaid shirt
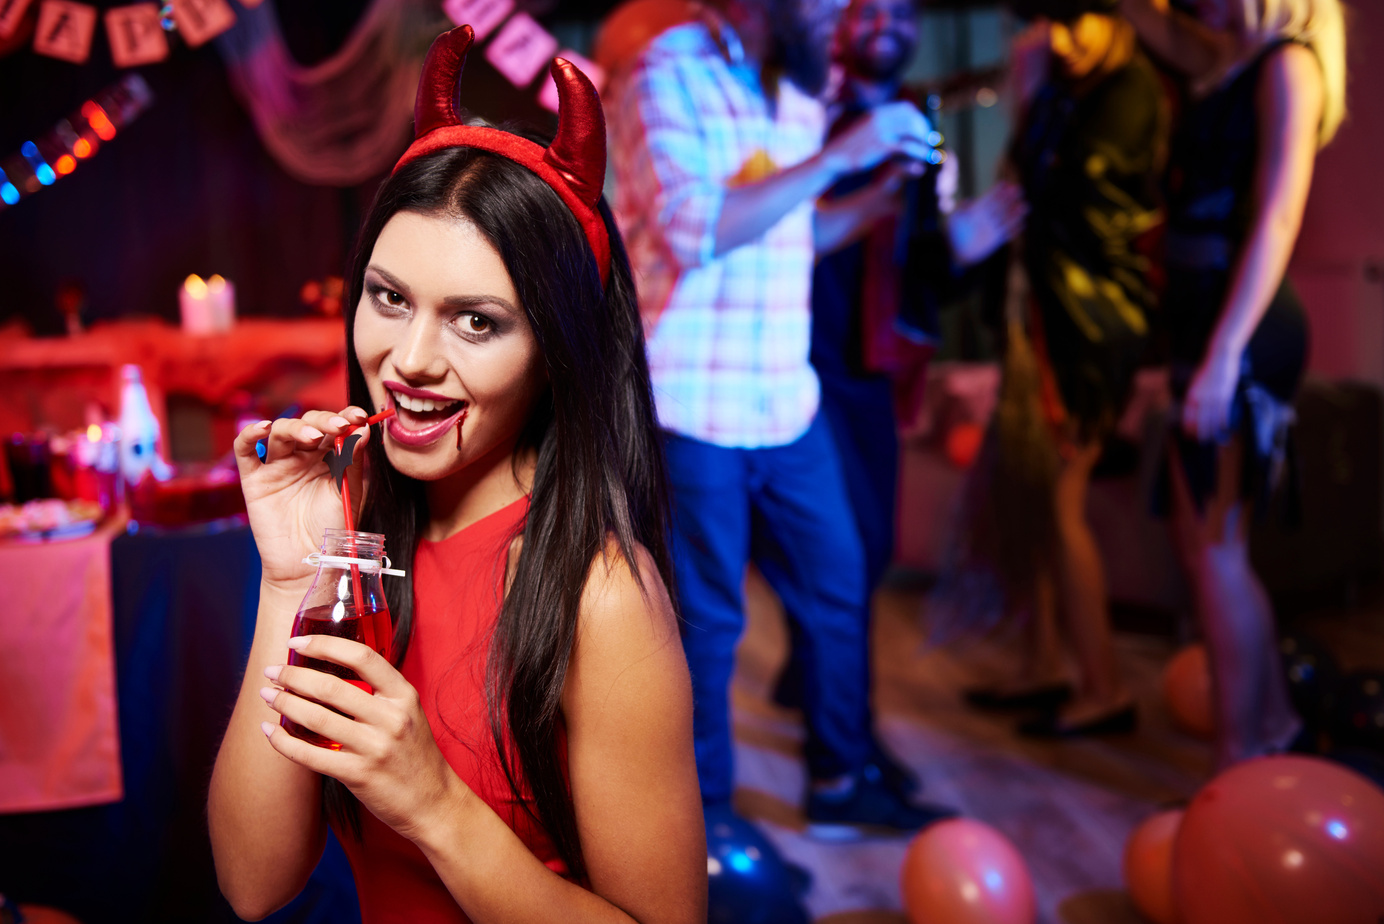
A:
719	158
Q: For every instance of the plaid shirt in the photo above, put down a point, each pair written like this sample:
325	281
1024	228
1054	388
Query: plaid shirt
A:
728	336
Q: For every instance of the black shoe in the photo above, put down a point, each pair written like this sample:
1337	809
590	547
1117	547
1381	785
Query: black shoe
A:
1050	725
1042	698
869	808
884	768
799	878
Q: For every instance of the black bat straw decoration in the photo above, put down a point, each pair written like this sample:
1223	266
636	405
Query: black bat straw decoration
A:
338	458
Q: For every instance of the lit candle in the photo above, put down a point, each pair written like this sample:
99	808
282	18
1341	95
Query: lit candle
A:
194	301
221	295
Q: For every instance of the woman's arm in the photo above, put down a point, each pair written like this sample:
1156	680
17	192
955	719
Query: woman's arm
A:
1289	105
1179	40
628	710
264	812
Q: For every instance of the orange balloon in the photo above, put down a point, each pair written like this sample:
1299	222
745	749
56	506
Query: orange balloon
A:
1187	691
630	27
961	871
1148	866
1282	840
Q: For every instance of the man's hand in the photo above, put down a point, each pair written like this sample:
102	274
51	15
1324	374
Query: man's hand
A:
977	229
894	128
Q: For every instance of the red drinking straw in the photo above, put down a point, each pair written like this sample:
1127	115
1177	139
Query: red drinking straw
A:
351	525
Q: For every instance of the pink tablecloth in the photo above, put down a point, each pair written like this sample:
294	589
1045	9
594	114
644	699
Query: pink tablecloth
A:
59	737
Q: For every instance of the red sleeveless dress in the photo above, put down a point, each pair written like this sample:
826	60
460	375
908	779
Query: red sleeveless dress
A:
458	585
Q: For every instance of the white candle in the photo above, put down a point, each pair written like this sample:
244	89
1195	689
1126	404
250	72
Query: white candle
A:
221	294
195	305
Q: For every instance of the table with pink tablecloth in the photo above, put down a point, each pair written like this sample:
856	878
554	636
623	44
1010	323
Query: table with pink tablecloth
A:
59	739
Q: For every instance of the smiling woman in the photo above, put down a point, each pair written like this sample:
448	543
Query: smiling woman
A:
448	347
530	747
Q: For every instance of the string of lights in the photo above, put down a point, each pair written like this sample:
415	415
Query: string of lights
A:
49	157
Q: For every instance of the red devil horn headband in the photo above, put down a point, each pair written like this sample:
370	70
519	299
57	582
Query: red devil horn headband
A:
573	165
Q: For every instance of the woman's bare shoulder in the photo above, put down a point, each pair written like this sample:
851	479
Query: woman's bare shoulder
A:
626	597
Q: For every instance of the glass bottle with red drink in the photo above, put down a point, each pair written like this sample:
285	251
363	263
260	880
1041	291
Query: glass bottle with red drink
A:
346	600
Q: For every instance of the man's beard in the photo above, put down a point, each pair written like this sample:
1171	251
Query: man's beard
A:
879	68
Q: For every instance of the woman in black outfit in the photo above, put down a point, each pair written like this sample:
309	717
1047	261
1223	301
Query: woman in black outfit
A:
1266	89
1089	155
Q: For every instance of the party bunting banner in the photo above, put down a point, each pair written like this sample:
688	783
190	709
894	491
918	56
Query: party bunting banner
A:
200	21
11	15
482	15
521	50
135	35
65	30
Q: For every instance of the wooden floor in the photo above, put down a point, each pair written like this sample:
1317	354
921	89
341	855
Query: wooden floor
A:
1068	807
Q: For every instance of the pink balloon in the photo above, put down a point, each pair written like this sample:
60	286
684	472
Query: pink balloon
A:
1187	691
1282	840
961	871
1148	866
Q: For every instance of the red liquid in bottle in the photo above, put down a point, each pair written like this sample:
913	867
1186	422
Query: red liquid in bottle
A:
358	627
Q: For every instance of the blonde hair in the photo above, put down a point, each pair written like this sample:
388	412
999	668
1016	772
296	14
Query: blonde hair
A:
1318	24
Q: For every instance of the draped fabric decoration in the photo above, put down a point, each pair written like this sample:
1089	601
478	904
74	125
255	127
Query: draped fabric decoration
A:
346	119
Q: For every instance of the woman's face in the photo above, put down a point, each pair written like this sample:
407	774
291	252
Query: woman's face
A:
1081	44
442	339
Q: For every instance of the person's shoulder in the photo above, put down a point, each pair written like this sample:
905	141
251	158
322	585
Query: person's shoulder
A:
1291	61
625	601
688	44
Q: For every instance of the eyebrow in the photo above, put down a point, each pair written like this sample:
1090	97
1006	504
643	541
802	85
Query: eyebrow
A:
451	301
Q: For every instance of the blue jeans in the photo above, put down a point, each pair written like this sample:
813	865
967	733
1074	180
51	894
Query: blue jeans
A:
859	413
786	509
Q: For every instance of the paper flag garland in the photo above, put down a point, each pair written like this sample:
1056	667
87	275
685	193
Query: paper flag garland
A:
135	35
200	21
482	15
65	30
11	15
521	50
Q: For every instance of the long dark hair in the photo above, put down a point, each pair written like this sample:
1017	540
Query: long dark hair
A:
600	470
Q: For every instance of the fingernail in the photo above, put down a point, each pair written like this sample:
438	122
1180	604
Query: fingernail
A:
312	433
267	694
298	642
268	729
339	421
272	672
264	425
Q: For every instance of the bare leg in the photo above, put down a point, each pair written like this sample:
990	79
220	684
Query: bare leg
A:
1042	644
1253	713
1083	596
1040	653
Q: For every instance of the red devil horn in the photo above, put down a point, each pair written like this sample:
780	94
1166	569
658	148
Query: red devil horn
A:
579	150
436	104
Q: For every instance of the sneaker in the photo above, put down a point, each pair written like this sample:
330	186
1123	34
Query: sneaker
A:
868	809
885	768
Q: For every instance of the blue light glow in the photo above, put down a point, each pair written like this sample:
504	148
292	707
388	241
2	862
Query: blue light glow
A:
42	171
1337	830
740	863
9	193
993	880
